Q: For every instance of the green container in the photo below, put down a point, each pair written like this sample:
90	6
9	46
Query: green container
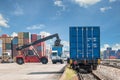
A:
26	35
8	46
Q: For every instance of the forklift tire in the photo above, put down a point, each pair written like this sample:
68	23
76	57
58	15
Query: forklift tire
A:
20	61
61	61
44	60
54	62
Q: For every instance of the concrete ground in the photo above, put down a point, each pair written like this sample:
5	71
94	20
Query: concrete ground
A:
30	71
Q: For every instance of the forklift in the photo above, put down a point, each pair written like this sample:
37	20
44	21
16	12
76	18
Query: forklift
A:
31	55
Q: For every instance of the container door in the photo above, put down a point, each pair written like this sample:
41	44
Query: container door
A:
96	42
89	48
73	42
80	42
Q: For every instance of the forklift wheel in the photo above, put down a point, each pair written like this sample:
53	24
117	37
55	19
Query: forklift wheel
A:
20	61
44	60
61	61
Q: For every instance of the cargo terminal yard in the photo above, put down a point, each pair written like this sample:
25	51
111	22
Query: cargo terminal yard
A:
34	65
59	40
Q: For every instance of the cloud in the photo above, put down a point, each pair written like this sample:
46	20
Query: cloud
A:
112	0
105	46
86	3
44	33
114	47
35	27
3	22
59	3
65	45
103	9
18	10
14	34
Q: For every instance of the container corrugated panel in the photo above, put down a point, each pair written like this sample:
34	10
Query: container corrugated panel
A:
112	53
8	46
59	49
15	40
20	35
84	43
26	35
33	36
3	46
118	54
8	40
3	40
26	41
20	41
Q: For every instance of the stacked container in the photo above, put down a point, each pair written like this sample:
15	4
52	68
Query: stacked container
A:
109	54
6	43
23	38
40	47
118	54
14	46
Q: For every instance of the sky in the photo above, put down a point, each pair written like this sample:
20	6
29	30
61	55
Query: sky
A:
56	16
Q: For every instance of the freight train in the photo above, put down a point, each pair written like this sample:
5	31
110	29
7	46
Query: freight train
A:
84	47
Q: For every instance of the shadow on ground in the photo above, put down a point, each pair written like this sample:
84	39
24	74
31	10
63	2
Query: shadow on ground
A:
32	73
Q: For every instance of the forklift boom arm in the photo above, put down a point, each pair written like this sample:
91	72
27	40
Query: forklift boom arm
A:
56	43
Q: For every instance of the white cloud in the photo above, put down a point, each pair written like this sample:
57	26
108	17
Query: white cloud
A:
114	47
86	3
18	10
112	0
65	45
44	33
34	27
105	46
14	34
103	9
59	3
3	22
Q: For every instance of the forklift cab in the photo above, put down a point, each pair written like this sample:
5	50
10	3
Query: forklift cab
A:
31	57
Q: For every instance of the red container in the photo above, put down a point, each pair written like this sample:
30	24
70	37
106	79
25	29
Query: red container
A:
26	41
5	35
33	36
112	57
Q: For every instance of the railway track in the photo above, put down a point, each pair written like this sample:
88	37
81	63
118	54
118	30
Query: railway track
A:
91	76
111	63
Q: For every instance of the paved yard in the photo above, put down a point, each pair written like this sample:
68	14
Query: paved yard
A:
30	71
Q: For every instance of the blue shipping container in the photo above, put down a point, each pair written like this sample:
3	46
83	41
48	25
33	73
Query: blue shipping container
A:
15	40
84	43
58	48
